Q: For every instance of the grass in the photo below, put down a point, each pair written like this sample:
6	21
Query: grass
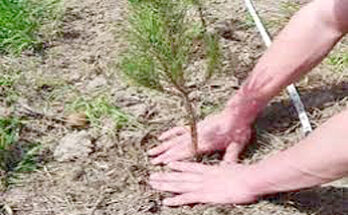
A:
16	156
99	108
22	24
338	60
8	80
289	8
208	108
286	10
248	21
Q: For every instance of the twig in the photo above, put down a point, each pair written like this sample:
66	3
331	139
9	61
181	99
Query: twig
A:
26	110
97	203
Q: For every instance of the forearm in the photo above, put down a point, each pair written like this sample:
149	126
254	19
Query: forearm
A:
305	41
320	158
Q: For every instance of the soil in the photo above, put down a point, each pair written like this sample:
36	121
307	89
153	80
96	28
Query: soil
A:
112	178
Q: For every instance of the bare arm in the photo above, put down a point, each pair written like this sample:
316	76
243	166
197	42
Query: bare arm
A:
305	41
320	158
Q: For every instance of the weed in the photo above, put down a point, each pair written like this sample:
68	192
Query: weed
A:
16	156
286	11
289	8
21	22
208	108
162	44
248	21
8	80
99	108
338	60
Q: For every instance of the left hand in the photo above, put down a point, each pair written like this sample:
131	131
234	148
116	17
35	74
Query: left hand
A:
199	183
228	130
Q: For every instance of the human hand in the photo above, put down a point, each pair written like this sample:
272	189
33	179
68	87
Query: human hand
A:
199	183
217	132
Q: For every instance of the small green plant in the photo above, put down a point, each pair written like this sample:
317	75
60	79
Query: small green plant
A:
21	22
97	108
289	8
208	108
8	80
338	60
15	156
286	10
163	43
248	21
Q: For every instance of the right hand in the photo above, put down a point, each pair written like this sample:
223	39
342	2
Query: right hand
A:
199	183
226	130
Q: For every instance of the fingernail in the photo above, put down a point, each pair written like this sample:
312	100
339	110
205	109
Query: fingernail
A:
150	152
169	202
155	161
166	201
171	164
153	176
166	162
152	185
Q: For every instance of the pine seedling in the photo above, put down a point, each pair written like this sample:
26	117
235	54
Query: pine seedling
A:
162	43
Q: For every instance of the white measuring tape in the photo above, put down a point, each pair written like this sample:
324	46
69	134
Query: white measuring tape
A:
295	97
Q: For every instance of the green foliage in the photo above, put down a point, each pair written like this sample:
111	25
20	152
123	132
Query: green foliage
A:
208	108
289	8
140	71
338	60
99	107
21	22
162	41
213	54
8	80
15	156
248	21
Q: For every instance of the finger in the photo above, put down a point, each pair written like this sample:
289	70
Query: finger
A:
184	199
175	177
176	131
176	187
232	153
170	156
161	148
177	152
190	167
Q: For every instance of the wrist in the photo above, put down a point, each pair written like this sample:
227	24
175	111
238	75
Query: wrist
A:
257	185
245	106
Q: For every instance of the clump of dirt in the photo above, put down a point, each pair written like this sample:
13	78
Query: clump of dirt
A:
111	177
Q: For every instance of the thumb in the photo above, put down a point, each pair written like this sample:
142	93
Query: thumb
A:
232	152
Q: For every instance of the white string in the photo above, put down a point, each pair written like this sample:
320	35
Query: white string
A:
294	95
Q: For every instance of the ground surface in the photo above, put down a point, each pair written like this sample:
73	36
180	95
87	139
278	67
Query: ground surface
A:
111	177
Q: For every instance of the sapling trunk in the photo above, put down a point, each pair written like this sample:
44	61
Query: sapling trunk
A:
161	47
193	124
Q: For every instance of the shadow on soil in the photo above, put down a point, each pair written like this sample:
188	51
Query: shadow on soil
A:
320	201
280	116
